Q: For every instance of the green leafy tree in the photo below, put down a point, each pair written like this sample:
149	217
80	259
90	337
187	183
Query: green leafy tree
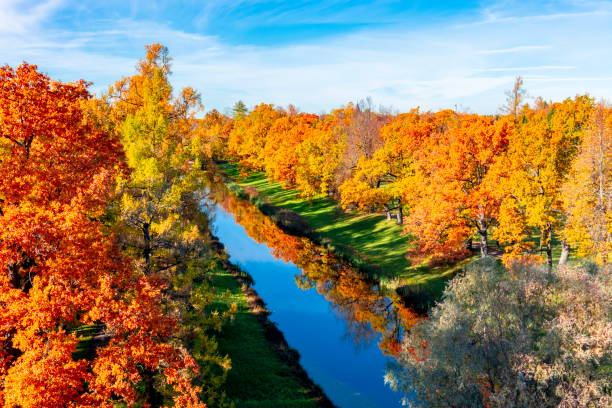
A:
240	110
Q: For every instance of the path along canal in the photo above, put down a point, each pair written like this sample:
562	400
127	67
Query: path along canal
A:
345	329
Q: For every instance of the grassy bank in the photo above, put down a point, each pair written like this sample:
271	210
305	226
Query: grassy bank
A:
374	239
265	370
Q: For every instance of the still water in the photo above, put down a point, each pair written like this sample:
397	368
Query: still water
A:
344	328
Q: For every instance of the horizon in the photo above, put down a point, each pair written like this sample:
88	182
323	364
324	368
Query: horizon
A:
321	55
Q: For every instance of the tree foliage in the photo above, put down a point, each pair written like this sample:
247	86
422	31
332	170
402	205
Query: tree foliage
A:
512	339
63	270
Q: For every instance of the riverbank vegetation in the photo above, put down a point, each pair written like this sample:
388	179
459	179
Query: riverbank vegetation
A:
114	292
111	291
518	337
265	369
456	182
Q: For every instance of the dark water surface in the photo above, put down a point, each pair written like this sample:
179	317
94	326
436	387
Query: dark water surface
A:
345	330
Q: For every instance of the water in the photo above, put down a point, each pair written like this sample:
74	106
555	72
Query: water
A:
344	328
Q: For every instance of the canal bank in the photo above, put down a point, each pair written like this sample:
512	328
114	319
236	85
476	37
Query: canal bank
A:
265	370
370	242
344	327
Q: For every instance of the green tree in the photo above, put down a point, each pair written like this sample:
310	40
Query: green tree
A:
239	110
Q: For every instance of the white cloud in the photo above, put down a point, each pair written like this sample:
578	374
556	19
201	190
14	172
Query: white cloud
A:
19	16
434	66
521	48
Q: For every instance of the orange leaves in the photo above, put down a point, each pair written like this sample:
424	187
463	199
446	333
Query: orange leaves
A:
60	269
46	375
53	150
452	188
248	136
285	135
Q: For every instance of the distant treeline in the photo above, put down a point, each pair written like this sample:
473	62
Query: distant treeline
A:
530	178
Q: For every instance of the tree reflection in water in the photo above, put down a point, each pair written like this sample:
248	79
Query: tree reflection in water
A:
356	297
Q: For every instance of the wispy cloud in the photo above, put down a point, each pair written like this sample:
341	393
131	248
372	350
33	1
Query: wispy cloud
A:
432	65
536	68
20	16
520	48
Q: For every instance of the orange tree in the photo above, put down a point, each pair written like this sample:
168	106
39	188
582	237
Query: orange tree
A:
537	163
249	134
61	269
319	156
285	135
451	195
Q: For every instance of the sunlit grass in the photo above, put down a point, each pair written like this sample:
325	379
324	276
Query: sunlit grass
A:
258	378
380	241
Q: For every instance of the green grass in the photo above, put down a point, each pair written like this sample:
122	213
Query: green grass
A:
379	241
259	377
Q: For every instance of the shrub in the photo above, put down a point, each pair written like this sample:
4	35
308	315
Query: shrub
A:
292	222
519	338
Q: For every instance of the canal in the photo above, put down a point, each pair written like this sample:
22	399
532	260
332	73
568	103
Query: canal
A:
345	329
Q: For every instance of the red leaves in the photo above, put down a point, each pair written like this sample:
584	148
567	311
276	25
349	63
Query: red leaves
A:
50	150
46	375
59	268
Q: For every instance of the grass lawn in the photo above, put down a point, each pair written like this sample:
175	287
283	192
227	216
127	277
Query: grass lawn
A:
378	240
259	377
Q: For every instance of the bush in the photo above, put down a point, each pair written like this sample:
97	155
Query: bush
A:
519	338
292	222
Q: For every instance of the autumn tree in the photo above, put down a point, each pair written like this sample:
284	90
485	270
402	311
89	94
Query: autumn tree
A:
452	193
157	135
318	158
283	138
62	269
248	136
211	136
587	192
538	160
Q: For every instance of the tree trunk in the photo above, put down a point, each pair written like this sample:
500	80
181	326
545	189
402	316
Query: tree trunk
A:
484	250
468	244
387	212
565	251
400	214
146	251
482	231
14	277
19	280
549	261
547	237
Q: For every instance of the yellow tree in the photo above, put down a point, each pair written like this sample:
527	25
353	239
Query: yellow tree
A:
587	193
153	136
538	160
249	134
285	135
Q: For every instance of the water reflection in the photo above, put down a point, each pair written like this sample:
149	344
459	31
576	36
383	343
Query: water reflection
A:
369	314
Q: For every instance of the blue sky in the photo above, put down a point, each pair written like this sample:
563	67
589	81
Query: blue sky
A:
319	55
